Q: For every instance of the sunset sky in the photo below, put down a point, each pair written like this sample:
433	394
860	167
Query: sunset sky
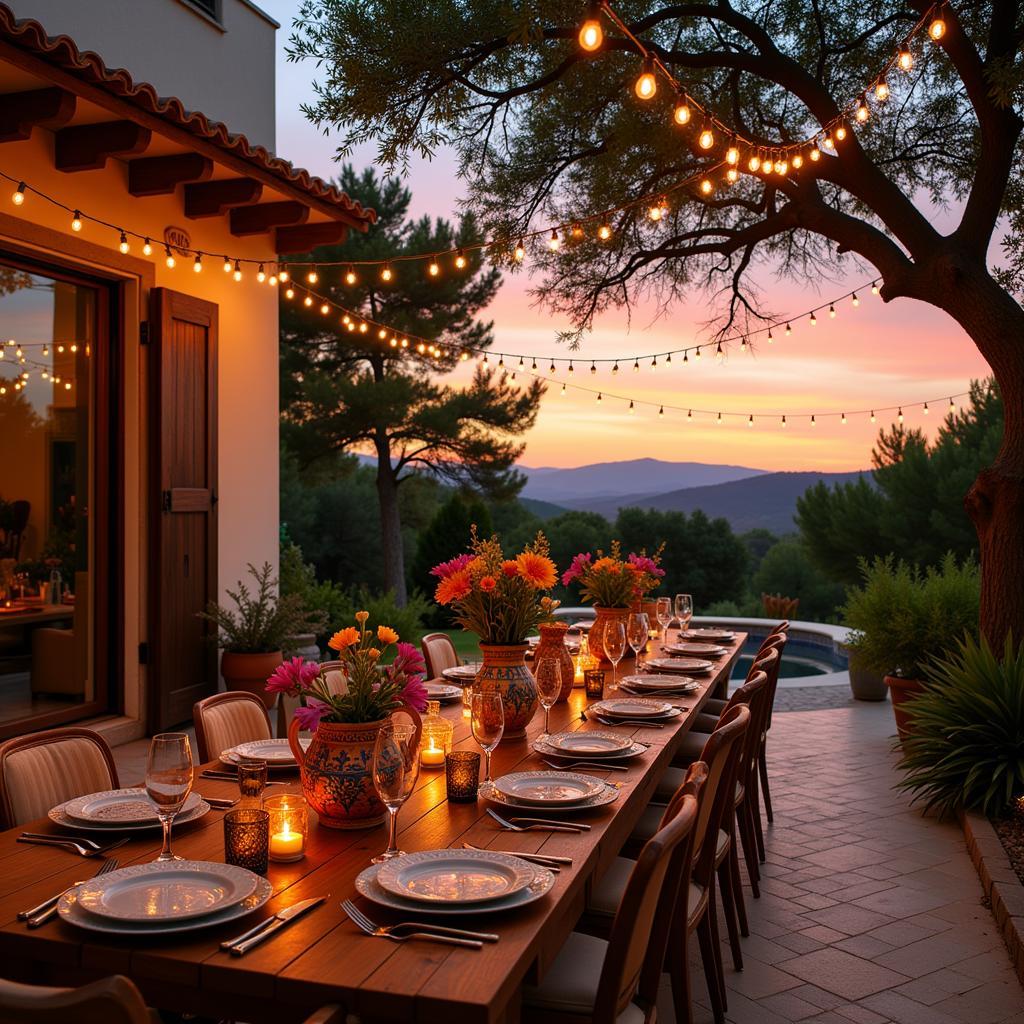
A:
873	356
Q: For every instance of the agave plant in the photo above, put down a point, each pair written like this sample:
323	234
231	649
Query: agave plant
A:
966	748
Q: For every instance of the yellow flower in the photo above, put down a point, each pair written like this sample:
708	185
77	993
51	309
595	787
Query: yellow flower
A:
537	570
373	653
344	638
386	635
361	617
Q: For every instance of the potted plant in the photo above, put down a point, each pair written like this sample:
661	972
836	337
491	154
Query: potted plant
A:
336	770
612	583
255	631
902	617
501	600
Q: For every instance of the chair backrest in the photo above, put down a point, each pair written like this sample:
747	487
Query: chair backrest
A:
227	719
44	769
755	693
781	639
113	1000
438	653
639	933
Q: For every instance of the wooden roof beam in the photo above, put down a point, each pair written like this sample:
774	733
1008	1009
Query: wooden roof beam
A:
161	175
258	219
309	236
214	198
88	147
20	112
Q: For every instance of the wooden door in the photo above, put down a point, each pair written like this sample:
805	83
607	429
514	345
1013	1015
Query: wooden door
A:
183	503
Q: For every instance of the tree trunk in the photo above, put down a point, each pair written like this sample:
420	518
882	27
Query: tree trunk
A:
390	524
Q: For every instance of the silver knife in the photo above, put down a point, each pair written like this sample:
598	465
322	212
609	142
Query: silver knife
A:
247	940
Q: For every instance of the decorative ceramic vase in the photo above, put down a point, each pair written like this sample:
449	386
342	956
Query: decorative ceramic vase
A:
604	617
552	644
337	771
250	672
504	669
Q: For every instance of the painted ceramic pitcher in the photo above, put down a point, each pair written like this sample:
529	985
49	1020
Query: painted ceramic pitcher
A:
552	645
504	669
337	770
603	618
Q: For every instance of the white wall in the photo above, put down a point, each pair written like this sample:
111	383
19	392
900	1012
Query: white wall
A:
225	71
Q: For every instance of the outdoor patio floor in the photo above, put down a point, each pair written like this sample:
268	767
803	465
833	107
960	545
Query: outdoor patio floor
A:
869	911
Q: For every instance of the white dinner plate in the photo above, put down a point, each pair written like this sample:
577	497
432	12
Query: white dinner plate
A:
443	692
367	885
455	876
120	807
697	650
58	816
71	912
608	795
588	744
656	684
159	891
548	788
274	752
583	626
722	636
462	671
635	749
633	707
694	665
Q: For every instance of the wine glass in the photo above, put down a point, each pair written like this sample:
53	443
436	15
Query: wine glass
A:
487	720
168	781
663	610
684	611
637	633
614	646
548	674
396	766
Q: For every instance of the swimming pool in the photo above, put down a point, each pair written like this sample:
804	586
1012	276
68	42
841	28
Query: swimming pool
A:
802	657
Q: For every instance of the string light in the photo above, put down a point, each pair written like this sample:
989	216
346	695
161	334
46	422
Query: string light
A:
814	320
682	113
123	244
237	274
350	276
519	253
434	268
554	242
604	232
874	287
18	197
863	112
283	274
308	300
313	276
168	257
905	59
197	264
646	84
591	34
706	139
261	274
854	301
832	312
881	90
937	27
76	221
147	247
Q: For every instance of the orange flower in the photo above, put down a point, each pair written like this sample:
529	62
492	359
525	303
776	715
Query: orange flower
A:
537	570
509	568
386	635
606	565
344	638
453	588
488	583
361	617
373	653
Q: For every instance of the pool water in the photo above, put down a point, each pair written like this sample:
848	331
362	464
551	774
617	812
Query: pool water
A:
801	658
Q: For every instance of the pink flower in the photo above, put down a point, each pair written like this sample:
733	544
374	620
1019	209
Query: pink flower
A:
409	658
292	677
645	564
449	568
414	694
579	566
310	715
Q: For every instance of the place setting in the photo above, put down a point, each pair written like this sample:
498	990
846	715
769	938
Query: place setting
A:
277	753
693	649
684	665
443	693
542	793
634	711
590	747
664	685
707	634
462	673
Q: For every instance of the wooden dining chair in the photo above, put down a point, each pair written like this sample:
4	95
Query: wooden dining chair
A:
43	769
762	757
716	705
615	981
227	719
438	653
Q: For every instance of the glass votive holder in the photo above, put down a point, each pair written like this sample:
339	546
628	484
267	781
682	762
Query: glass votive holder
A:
593	680
289	826
246	836
252	781
462	775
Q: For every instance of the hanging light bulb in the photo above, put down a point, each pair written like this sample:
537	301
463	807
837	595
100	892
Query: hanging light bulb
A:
599	396
754	163
814	422
905	58
900	414
571	368
577	230
831	311
682	114
350	276
593	366
881	90
615	368
197	263
732	156
828	142
563	389
696	354
290	293
767	166
228	266
937	27
147	247
843	419
814	320
519	253
591	34
789	330
654	212
386	273
719	419
123	244
750	421
925	410
661	412
783	419
554	242
863	111
18	197
874	287
854	301
781	167
706	139
604	232
460	260
76	221
551	368
283	274
719	354
952	404
237	274
313	276
533	364
261	274
732	175
636	365
798	161
771	337
434	268
707	186
631	407
841	133
325	309
646	84
168	257
814	155
308	300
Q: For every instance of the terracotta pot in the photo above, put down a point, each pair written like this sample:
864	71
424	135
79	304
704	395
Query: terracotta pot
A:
902	691
250	672
337	771
552	644
603	617
504	669
865	684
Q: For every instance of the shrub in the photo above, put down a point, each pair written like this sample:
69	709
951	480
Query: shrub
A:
966	746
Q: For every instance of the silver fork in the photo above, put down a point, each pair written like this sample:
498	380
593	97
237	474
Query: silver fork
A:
92	850
364	924
646	723
537	826
48	908
587	764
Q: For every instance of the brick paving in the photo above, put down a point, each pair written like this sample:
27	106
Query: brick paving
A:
870	913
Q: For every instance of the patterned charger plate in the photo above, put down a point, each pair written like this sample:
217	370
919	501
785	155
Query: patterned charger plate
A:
58	816
679	665
608	795
455	876
120	807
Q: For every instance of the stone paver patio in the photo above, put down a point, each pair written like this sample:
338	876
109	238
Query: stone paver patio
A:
870	913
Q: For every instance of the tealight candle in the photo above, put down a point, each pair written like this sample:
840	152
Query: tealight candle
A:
289	823
432	756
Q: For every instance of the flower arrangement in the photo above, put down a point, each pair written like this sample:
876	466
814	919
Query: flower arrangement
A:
613	581
374	691
498	598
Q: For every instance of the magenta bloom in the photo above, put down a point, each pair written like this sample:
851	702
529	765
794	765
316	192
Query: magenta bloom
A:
409	658
292	677
310	715
449	568
645	564
415	694
579	566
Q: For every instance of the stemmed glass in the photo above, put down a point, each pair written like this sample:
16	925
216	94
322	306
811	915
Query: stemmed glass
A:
487	721
548	675
396	766
684	611
663	609
614	647
168	781
638	633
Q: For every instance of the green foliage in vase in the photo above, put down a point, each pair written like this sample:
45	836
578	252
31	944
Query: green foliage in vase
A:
966	742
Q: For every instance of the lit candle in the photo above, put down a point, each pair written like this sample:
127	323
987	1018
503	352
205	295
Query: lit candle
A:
432	756
286	845
289	824
577	676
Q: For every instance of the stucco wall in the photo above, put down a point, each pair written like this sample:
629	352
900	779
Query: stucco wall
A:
225	71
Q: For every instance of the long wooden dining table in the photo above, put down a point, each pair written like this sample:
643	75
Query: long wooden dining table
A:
323	958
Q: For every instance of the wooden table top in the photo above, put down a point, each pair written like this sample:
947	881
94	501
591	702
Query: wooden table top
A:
323	958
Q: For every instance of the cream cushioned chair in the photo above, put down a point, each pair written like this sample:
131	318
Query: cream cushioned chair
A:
227	719
44	769
438	653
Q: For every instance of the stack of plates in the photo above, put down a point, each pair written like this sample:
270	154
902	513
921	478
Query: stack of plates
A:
696	650
548	791
157	899
654	684
626	709
693	666
277	753
589	745
715	636
454	882
120	810
443	692
462	673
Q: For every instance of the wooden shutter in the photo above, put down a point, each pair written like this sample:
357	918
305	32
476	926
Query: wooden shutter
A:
183	503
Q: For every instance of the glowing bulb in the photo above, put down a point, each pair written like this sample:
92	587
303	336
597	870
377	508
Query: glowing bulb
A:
841	133
719	419
750	421
905	58
261	274
655	212
815	155
308	300
577	228
273	281
814	422
227	265
147	248
828	142
767	166
554	241
591	35
754	163
661	412
283	274
798	161
631	407
646	85
433	268
832	311
814	320
350	276
707	187
682	113
863	112
123	244
312	277
781	166
732	174
604	232
783	420
197	263
67	385
615	368
881	90
325	309
238	271
872	415
290	293
636	366
925	410
874	287
571	370
519	253
76	221
937	28
168	257
386	273
706	139
563	389
901	415
19	194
